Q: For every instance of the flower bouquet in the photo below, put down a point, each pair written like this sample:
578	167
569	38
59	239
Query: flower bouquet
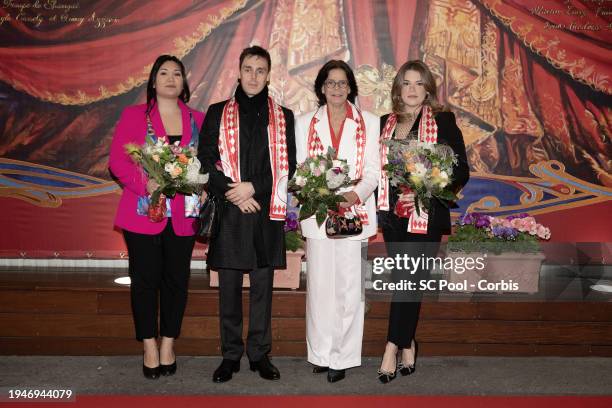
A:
481	232
425	170
316	182
176	169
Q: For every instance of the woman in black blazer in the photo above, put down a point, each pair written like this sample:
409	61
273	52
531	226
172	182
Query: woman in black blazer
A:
414	97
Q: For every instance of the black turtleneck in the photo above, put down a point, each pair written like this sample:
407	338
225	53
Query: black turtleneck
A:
254	152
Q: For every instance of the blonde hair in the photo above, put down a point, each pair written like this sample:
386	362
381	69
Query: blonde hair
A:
428	81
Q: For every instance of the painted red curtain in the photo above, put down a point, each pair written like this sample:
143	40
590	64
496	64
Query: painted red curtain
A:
579	46
556	110
90	65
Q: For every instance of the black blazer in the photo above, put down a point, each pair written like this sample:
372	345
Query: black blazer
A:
246	241
439	214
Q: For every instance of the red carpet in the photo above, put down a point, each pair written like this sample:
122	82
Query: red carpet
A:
327	401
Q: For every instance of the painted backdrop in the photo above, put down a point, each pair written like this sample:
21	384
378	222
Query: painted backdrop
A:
529	81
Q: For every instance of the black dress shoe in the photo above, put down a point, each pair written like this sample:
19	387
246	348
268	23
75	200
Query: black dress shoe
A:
406	369
167	369
266	369
319	369
335	375
224	372
152	373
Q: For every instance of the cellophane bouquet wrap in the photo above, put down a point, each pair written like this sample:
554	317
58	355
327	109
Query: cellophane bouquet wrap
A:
423	169
316	182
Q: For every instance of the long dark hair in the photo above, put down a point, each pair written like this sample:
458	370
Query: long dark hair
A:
151	94
429	83
324	73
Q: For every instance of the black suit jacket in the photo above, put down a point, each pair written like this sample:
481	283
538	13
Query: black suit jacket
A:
246	241
439	214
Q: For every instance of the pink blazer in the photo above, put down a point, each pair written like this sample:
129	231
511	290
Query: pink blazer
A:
132	128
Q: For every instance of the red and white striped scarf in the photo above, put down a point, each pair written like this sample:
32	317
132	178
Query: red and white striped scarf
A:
315	147
428	134
229	151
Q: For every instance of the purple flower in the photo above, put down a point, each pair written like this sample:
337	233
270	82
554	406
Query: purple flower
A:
504	232
466	218
482	222
291	222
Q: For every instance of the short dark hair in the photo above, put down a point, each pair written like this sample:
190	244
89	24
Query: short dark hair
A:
255	51
151	95
324	73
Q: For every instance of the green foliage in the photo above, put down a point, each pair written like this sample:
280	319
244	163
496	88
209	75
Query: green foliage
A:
469	238
293	241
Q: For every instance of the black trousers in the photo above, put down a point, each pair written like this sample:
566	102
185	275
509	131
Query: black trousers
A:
159	265
259	338
406	305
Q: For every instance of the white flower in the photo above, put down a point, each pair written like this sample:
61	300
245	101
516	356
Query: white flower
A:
300	181
334	178
337	163
443	179
420	170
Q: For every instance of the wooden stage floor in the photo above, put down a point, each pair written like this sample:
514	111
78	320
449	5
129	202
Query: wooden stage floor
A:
83	312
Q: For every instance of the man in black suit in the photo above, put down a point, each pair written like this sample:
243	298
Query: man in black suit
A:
235	150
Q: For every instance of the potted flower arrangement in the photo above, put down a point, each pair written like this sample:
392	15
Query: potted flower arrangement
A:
503	249
290	276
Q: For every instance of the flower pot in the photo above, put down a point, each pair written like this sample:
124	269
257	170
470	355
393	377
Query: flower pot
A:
288	278
510	272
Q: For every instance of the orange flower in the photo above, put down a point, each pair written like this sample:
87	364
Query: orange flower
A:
183	159
435	172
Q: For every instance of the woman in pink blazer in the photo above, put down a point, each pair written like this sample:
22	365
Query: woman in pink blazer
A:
159	252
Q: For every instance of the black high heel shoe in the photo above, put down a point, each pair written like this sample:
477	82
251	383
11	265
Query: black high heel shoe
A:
386	376
152	373
409	369
167	369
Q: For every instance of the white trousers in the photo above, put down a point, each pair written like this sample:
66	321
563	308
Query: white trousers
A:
334	303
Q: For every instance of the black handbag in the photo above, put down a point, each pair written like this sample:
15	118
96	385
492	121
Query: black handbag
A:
341	226
210	217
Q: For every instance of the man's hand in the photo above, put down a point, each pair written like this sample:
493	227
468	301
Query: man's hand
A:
249	206
152	185
240	192
350	198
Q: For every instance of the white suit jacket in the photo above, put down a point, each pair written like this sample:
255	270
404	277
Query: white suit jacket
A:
348	151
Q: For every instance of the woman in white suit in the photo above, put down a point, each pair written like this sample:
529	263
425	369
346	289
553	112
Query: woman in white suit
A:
334	301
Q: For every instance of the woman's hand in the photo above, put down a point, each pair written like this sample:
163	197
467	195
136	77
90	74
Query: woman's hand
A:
350	199
240	192
249	206
152	186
